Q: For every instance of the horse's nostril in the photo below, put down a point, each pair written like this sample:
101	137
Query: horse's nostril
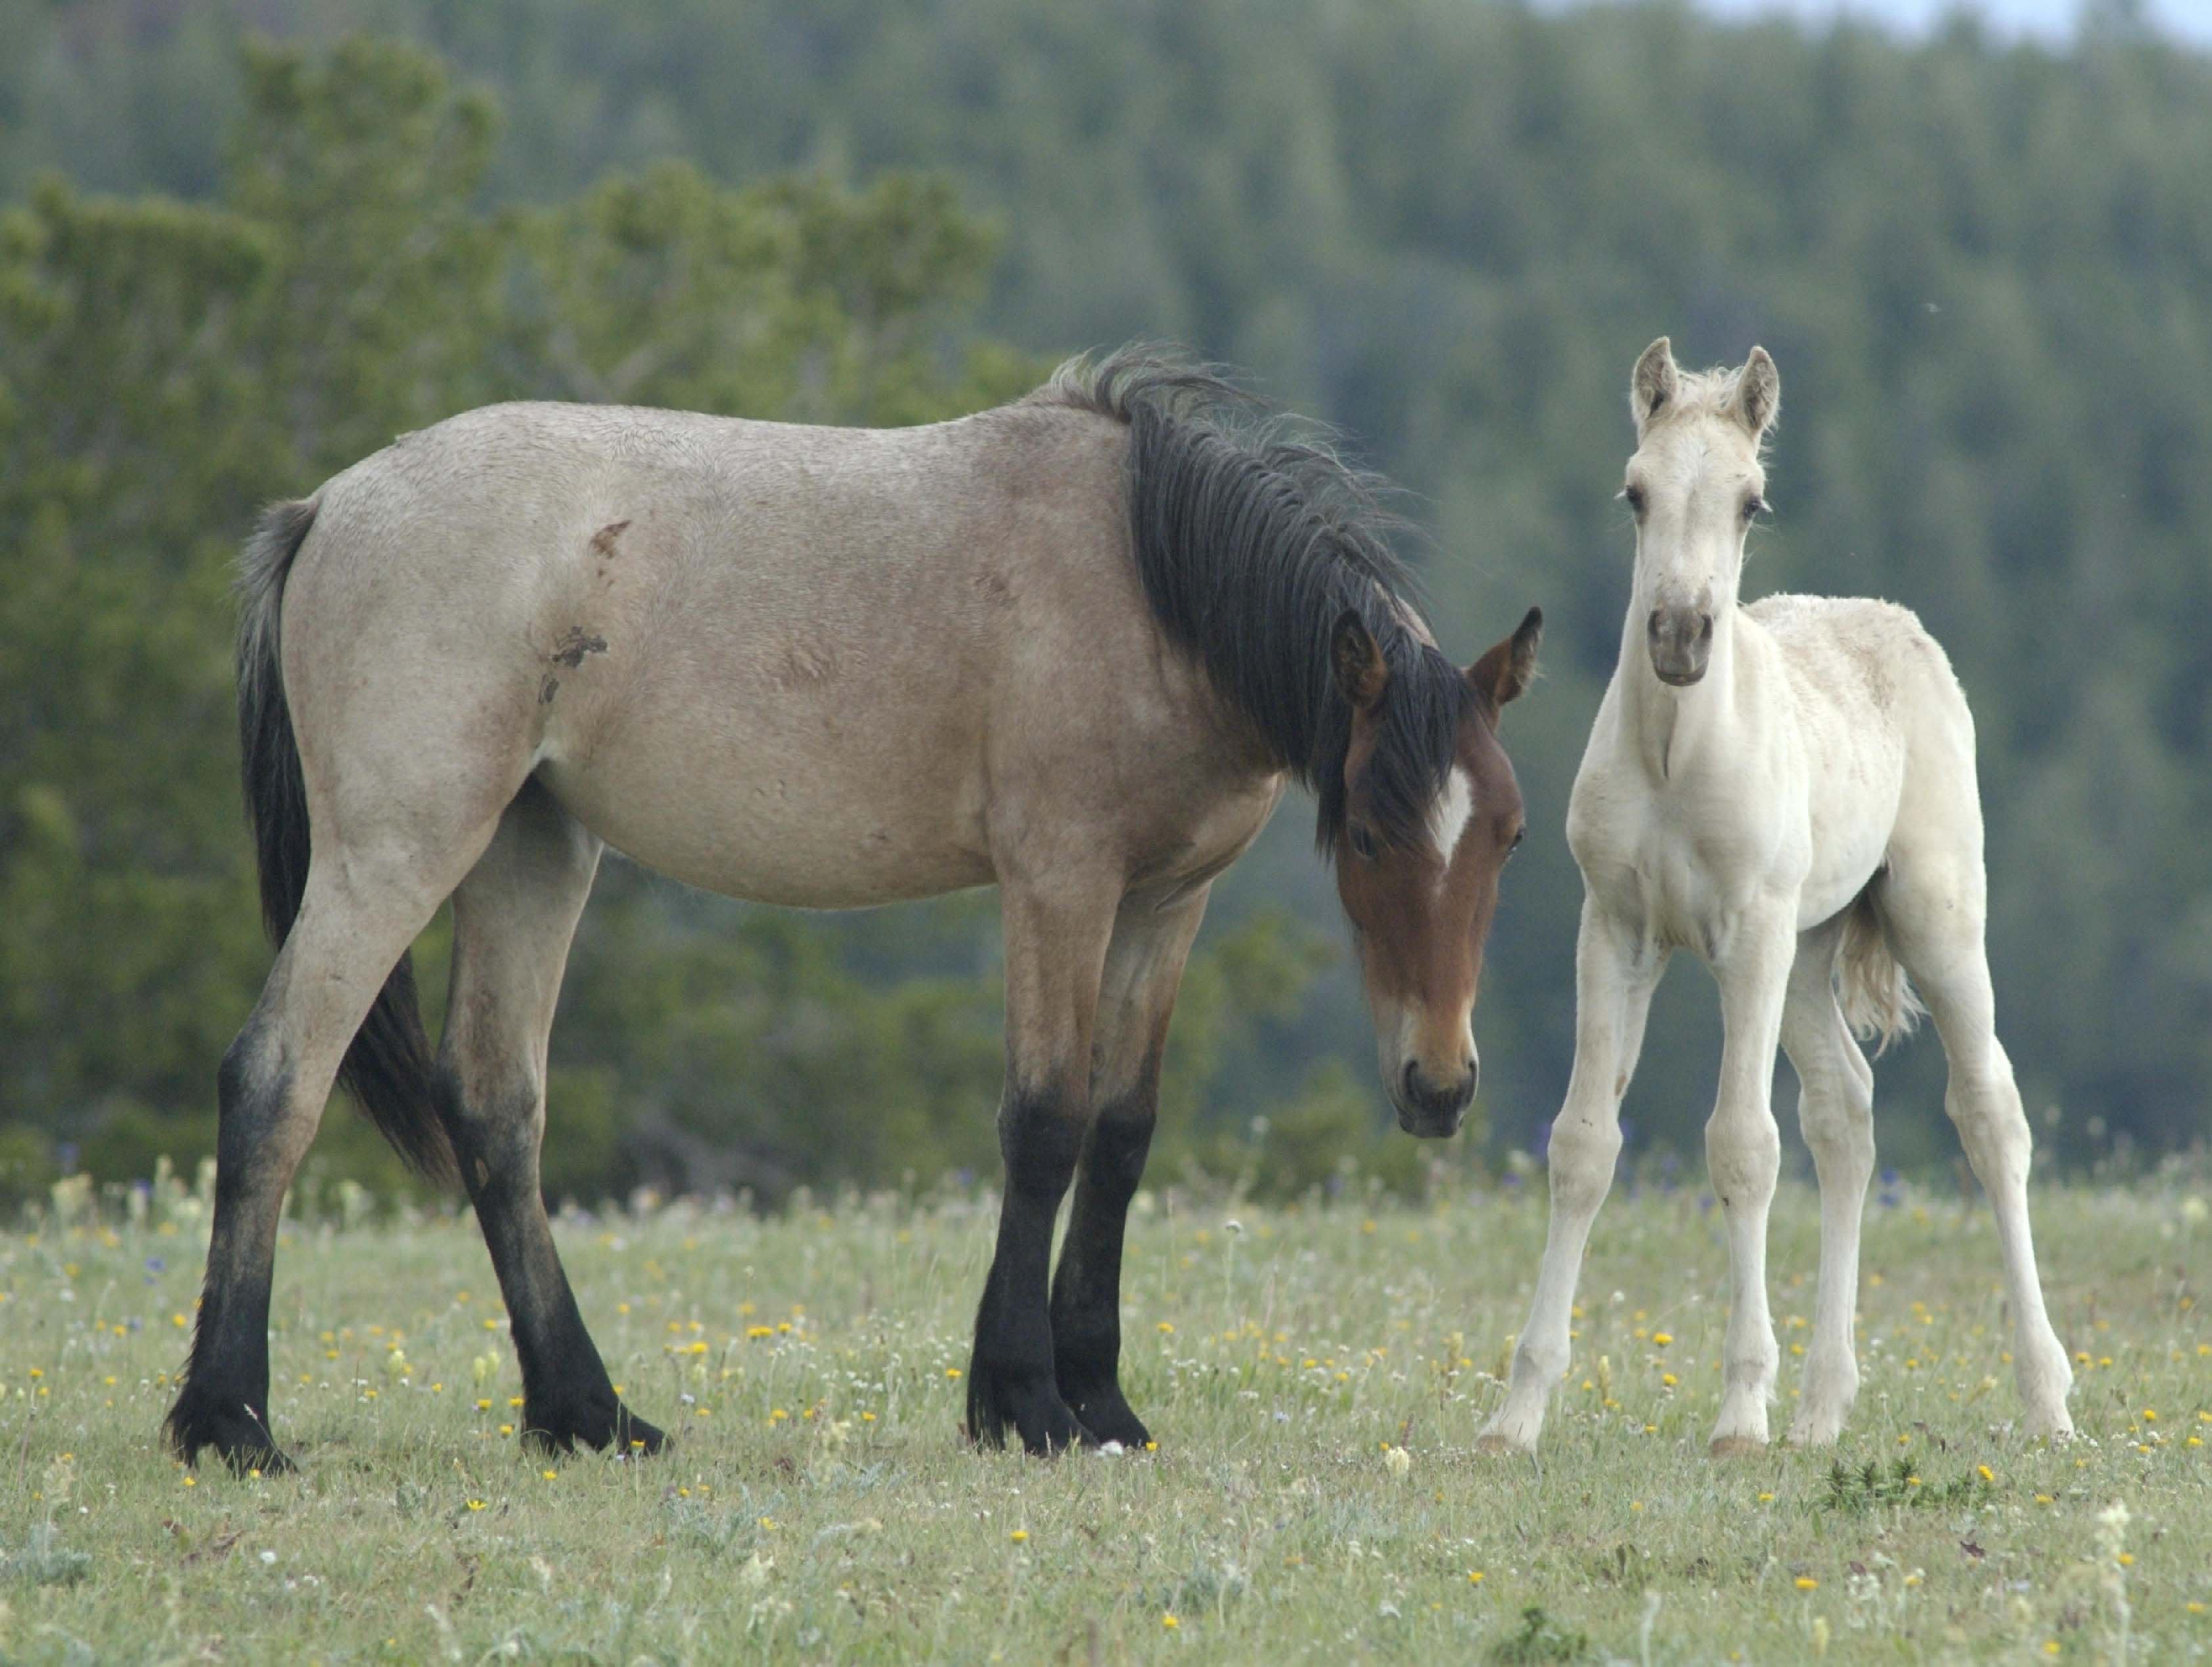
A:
1413	1081
1705	628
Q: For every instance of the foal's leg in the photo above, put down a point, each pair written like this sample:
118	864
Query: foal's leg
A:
359	913
1144	968
1835	1109
512	919
1934	910
1056	939
1616	970
1743	1158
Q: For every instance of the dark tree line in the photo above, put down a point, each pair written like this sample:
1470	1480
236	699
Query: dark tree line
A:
1985	270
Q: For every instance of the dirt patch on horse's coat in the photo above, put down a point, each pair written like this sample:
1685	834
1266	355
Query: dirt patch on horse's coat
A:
603	541
575	643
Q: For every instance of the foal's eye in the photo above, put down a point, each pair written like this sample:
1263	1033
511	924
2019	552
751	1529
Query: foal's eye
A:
1520	834
1753	507
1633	496
1363	844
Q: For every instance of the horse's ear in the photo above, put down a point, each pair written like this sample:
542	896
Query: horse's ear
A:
1357	659
1652	384
1758	393
1510	667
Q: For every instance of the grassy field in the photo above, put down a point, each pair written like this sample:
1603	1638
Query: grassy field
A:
1316	1378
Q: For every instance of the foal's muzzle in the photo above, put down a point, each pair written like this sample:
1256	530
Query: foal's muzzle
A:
1681	640
1426	1109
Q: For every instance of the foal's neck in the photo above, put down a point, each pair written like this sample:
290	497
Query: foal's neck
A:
1669	729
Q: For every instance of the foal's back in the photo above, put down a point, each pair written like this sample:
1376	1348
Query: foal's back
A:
1886	730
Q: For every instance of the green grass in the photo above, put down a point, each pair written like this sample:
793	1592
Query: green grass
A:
819	1504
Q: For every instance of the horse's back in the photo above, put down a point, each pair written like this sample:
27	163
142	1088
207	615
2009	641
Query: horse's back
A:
792	663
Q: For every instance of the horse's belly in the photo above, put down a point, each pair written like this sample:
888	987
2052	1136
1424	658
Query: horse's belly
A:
820	832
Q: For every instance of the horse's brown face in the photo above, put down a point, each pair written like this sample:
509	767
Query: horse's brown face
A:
1421	905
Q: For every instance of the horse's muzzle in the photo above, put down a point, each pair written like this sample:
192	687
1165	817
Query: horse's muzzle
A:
1427	1111
1681	643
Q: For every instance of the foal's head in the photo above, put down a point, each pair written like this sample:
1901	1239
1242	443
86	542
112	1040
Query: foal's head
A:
1419	850
1695	485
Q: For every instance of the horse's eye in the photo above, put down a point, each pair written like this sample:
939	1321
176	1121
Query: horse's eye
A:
1518	836
1634	496
1362	844
1753	507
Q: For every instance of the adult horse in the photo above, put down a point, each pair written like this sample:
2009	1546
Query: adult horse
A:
1786	790
1074	646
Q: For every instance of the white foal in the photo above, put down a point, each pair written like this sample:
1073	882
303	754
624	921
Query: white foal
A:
1787	791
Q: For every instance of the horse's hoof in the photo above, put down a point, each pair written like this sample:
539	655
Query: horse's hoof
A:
1050	1426
239	1438
1031	1403
636	1439
562	1427
1104	1416
1504	1446
1736	1446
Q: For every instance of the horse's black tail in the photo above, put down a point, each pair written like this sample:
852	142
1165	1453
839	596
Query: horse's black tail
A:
387	1068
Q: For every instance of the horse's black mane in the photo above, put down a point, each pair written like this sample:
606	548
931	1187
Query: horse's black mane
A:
1252	541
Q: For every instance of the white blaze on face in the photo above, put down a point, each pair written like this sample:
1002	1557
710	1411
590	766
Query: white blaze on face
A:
1447	817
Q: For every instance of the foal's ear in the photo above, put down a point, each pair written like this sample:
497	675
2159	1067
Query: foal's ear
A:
1357	659
1758	393
1652	383
1510	667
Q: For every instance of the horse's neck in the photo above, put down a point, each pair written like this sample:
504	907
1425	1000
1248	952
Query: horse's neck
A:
1669	730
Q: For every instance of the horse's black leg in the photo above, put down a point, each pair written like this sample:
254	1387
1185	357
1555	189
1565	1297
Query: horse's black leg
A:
354	924
1144	969
513	920
1011	1379
1056	943
567	1396
224	1401
1087	1289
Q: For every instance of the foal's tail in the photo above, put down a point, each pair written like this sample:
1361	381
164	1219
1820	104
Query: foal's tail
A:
1879	1003
387	1068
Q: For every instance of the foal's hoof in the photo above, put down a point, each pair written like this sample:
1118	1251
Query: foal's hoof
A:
240	1437
1814	1432
1736	1446
1513	1429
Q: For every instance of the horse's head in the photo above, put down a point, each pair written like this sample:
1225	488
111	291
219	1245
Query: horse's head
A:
1695	486
1421	887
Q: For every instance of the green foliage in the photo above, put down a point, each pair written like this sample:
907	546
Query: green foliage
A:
1541	1638
1855	1490
1449	227
44	1561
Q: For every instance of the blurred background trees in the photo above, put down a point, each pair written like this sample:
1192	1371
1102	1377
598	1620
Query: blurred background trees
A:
229	269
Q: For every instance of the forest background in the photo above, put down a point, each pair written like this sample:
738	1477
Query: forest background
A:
245	242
